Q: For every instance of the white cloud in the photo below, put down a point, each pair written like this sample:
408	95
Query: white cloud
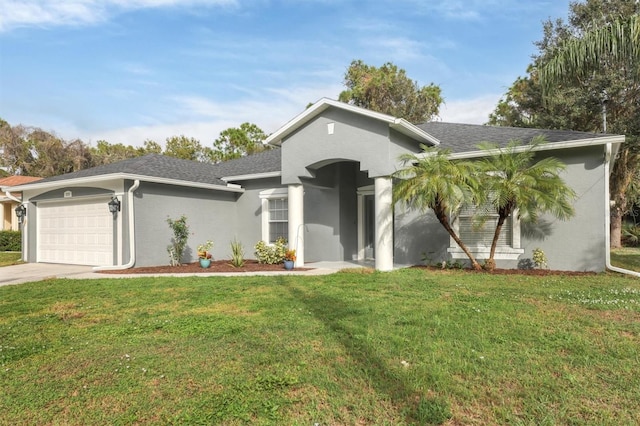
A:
20	13
204	118
469	111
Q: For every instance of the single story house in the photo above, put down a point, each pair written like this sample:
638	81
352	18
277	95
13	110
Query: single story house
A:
326	187
9	202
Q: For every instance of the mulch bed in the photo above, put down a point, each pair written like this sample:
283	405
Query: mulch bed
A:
534	272
195	268
224	266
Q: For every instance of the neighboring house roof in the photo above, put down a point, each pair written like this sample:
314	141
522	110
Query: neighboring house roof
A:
17	180
14	181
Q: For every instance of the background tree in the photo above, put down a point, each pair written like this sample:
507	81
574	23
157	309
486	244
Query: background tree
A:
388	90
610	74
236	142
432	181
106	153
510	180
184	147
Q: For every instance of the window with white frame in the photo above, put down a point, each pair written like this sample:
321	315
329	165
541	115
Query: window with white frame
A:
478	234
275	214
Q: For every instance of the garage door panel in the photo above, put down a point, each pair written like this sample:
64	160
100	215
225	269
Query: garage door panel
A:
75	232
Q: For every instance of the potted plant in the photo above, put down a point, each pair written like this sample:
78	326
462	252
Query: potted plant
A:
289	259
204	255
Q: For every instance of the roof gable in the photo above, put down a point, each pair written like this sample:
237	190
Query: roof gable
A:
399	124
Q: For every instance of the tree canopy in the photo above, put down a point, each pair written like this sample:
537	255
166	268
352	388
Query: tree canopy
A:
582	66
236	142
388	90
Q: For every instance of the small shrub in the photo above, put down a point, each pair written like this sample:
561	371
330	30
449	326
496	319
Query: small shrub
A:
179	241
237	254
271	254
10	241
539	259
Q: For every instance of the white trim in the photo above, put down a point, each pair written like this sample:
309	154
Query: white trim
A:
384	223
265	196
84	181
251	176
399	124
502	253
548	146
296	222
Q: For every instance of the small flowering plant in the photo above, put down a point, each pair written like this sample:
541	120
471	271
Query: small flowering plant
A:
203	250
290	255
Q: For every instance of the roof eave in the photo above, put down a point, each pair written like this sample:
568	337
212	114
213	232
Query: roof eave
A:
548	146
251	176
115	176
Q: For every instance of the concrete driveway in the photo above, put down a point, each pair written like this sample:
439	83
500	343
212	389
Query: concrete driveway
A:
28	272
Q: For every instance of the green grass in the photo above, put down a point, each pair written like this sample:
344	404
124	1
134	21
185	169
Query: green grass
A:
627	258
8	258
407	347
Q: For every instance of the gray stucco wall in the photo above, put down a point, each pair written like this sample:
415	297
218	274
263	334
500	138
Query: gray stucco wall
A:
355	137
580	242
576	244
211	215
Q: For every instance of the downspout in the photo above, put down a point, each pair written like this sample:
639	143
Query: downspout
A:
607	218
132	233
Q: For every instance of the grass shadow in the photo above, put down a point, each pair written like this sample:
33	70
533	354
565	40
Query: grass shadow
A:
342	319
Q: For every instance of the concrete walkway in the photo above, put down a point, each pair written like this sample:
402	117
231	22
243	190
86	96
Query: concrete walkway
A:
29	272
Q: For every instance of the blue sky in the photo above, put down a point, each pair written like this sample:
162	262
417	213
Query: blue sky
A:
130	70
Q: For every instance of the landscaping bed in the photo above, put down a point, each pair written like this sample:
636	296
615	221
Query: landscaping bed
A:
220	266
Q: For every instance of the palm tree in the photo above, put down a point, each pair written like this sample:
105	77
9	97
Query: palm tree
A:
618	41
433	181
616	44
511	180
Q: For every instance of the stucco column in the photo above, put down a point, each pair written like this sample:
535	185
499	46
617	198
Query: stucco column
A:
296	222
384	223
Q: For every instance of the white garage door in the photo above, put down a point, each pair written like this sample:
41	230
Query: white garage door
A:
78	232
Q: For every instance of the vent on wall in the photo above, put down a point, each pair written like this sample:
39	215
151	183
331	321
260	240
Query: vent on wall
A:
67	194
330	127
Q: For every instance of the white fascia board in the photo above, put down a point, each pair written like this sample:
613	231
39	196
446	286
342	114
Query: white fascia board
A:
117	176
548	146
264	175
399	124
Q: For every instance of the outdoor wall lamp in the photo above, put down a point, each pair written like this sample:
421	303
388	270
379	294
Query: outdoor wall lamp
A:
114	205
21	212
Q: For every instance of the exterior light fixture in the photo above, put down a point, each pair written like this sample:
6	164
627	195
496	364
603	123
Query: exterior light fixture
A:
114	205
21	213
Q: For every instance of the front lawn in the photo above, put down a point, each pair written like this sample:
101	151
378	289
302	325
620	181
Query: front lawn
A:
407	347
627	258
8	258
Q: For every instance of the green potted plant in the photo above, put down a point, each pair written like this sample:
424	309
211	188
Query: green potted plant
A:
289	259
204	255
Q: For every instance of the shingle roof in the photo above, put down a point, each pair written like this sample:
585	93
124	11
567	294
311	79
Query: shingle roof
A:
165	167
466	137
456	137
